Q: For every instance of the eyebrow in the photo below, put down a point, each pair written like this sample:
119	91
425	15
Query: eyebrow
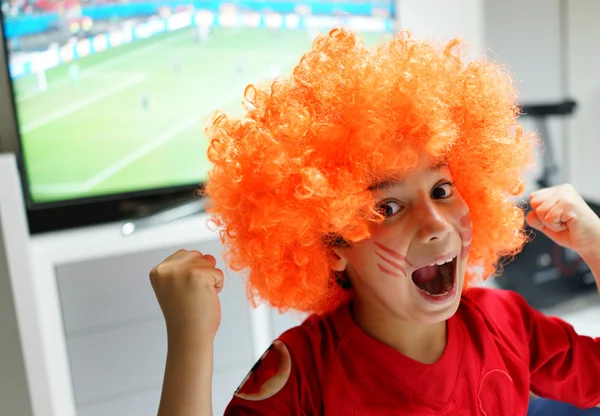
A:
391	181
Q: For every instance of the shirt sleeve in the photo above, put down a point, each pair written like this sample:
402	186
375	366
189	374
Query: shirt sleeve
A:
282	382
284	402
564	366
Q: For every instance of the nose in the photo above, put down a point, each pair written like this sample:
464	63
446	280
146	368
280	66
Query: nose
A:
433	224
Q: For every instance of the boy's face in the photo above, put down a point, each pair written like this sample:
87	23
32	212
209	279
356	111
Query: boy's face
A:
414	263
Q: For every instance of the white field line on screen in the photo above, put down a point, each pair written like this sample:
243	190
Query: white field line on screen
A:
115	74
78	187
225	100
141	152
104	65
160	140
80	105
132	157
93	76
97	68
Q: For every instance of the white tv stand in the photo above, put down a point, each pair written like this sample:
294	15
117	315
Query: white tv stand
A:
93	338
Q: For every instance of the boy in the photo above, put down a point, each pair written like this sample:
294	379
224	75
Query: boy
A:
372	188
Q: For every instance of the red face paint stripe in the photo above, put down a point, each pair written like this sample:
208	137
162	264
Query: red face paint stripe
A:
384	270
466	221
394	254
392	263
464	253
466	235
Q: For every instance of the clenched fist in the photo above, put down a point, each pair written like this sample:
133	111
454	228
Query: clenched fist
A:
186	285
562	214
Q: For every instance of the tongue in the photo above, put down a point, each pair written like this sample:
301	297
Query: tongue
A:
425	274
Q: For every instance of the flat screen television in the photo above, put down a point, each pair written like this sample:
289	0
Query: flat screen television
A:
104	100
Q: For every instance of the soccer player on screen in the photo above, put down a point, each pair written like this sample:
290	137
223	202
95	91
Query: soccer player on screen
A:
239	66
374	188
176	66
74	72
203	32
145	101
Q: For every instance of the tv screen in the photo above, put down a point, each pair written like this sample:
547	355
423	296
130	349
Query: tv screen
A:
111	96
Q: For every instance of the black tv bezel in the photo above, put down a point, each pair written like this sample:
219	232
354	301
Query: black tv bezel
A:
77	212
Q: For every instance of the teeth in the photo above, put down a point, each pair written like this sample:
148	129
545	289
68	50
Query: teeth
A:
444	286
439	263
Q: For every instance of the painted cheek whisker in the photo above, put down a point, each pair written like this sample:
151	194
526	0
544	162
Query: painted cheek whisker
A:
466	235
384	270
397	266
465	221
393	253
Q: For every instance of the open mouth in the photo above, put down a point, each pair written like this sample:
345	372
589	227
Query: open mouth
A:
437	280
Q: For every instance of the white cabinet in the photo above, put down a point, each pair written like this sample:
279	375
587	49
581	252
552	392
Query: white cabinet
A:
104	330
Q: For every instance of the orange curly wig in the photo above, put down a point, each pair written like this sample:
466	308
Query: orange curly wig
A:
293	174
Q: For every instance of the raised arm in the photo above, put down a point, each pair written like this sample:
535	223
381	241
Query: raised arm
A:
563	215
186	286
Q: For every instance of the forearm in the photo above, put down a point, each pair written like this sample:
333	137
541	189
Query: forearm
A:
595	268
187	385
592	258
594	262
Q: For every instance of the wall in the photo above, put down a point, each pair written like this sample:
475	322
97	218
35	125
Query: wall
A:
583	81
531	48
14	387
527	37
13	382
443	19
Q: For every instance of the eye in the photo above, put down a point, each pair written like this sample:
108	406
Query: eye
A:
443	191
389	208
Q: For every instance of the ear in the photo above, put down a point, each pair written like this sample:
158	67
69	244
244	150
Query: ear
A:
337	261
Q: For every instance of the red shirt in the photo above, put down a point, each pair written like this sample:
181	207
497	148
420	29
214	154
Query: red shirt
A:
498	349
